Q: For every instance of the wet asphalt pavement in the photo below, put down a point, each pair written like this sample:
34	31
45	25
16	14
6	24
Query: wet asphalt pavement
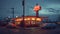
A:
37	30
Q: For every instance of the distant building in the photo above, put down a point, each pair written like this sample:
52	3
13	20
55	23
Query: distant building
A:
28	20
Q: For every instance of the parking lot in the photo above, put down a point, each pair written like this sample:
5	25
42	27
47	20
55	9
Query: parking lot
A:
37	30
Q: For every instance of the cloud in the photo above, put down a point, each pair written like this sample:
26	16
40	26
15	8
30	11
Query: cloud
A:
46	12
54	10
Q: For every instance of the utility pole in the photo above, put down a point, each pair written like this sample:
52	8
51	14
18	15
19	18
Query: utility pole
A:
23	8
23	4
12	12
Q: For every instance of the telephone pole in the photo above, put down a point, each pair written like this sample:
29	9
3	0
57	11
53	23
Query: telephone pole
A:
23	4
12	12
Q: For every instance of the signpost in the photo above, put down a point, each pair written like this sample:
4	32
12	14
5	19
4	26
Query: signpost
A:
36	9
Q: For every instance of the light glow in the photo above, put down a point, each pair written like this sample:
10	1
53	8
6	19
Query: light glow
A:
18	20
28	18
33	18
38	19
25	19
37	8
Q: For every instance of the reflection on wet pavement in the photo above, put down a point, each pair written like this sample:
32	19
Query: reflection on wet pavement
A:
4	30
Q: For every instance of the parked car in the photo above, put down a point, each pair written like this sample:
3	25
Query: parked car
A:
11	25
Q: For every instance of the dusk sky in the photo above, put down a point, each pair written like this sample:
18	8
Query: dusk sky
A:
49	7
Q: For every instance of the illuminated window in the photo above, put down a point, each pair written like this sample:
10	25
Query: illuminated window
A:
33	18
18	20
25	19
32	22
28	18
27	22
38	19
